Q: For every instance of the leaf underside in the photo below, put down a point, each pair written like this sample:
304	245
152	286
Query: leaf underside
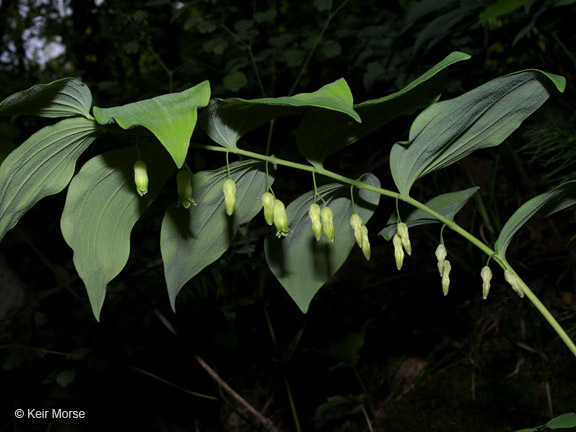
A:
484	117
171	117
446	204
227	120
102	207
322	133
302	264
43	165
194	238
66	97
541	206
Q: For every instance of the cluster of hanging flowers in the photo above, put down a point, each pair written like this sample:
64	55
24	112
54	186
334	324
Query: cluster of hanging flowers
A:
401	242
322	220
361	234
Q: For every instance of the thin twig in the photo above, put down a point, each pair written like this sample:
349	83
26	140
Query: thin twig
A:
313	49
266	422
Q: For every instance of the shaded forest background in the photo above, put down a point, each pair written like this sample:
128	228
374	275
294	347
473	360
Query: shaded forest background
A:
378	346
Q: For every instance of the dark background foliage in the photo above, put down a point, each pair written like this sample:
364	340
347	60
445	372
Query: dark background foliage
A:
377	343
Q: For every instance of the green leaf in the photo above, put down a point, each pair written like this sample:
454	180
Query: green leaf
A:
321	133
503	7
446	204
194	238
234	81
171	117
442	26
302	264
563	421
567	420
227	120
43	165
540	206
66	97
102	207
448	131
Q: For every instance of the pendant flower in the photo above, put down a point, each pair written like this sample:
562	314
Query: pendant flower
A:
314	213
268	205
141	177
229	189
280	219
486	275
327	219
184	185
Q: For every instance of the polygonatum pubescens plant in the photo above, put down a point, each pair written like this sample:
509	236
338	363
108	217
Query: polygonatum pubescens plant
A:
316	232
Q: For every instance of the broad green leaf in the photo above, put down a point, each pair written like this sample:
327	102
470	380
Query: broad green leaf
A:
102	207
567	420
538	207
563	421
447	131
503	7
66	97
43	165
321	133
171	117
302	264
446	204
227	120
194	238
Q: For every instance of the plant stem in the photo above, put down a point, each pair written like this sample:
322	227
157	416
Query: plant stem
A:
547	315
407	199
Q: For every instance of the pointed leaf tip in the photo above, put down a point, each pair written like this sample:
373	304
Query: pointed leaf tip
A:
171	117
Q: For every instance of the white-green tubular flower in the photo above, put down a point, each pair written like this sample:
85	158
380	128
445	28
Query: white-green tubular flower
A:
486	275
184	184
314	213
356	222
398	251
141	177
327	220
268	205
229	189
446	277
402	230
512	279
441	254
280	219
365	243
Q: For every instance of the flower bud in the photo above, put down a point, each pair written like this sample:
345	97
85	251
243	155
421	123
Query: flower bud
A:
398	251
486	275
268	205
327	219
229	189
446	276
402	229
511	278
441	254
184	185
280	219
314	213
365	243
356	222
141	177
